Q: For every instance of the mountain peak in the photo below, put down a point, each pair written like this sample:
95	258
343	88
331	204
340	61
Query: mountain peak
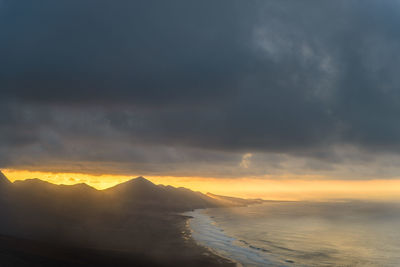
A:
138	183
141	180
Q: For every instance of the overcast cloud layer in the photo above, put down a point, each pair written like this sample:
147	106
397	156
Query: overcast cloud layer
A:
217	88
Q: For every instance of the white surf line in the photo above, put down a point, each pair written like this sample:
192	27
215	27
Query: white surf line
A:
205	232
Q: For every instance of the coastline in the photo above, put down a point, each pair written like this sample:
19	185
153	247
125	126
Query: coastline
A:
207	234
226	261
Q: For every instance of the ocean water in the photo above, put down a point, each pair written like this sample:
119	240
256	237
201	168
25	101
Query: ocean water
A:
340	233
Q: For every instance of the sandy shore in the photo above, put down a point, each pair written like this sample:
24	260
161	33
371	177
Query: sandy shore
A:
220	258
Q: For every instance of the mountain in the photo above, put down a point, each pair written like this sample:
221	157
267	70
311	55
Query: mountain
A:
41	189
138	194
141	193
5	187
3	180
75	200
131	196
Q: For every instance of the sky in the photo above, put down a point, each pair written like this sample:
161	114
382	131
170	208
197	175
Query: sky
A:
260	90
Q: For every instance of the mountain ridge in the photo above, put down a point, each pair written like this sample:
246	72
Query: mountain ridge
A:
136	193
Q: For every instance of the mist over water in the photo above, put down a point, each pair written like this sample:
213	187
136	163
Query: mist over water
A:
345	233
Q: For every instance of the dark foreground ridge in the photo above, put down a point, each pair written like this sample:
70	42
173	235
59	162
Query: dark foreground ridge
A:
136	223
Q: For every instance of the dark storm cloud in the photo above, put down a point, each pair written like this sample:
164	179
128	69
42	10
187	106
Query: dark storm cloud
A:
106	81
130	51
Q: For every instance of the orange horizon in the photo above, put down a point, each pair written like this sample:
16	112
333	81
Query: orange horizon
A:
287	188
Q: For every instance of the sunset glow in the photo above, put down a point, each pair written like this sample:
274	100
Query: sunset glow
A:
282	188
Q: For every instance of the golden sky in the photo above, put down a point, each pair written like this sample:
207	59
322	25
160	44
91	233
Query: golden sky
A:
286	188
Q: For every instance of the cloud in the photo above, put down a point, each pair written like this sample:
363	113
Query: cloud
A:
245	163
184	86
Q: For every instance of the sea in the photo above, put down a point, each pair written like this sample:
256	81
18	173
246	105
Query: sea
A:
303	233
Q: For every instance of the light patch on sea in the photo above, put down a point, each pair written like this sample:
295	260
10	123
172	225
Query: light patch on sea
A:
334	234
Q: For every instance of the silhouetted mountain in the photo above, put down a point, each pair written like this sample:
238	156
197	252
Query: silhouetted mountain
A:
39	189
138	193
141	193
35	198
138	188
3	180
75	200
60	204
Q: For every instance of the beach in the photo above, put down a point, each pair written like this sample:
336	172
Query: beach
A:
206	233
